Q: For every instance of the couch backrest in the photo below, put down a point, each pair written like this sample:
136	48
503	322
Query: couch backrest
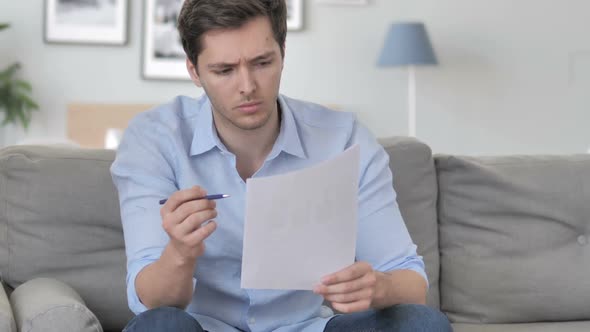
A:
414	180
514	238
59	218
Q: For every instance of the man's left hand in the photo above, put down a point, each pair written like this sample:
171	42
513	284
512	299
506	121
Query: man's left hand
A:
351	289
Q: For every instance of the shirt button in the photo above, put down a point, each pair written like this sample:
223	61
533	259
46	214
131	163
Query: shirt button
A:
252	321
582	240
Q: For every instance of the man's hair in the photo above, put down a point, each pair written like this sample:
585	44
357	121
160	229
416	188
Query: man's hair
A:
197	17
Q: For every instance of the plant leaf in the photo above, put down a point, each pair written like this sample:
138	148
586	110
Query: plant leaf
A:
7	73
24	119
24	98
23	85
15	100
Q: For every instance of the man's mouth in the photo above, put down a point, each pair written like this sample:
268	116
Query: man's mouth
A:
250	107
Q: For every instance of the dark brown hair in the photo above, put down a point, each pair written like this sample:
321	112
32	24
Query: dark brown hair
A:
200	16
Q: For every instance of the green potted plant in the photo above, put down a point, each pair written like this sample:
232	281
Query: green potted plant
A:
16	104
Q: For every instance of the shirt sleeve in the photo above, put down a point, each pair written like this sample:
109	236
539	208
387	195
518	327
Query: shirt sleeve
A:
383	239
143	173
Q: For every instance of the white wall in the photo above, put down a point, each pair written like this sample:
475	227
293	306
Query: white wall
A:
514	75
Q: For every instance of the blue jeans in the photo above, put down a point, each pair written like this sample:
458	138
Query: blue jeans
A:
163	319
400	318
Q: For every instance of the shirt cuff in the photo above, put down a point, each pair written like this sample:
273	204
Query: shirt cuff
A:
133	301
415	264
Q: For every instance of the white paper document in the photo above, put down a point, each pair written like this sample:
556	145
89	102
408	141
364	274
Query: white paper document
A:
301	226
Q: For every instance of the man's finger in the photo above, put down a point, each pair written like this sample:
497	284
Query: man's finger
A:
352	307
195	220
187	209
199	235
341	288
366	281
352	272
361	294
182	196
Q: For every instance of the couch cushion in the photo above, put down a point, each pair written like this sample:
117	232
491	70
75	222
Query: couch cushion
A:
7	323
59	218
414	180
514	238
535	327
49	305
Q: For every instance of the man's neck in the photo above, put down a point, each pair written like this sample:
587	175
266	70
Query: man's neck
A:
251	147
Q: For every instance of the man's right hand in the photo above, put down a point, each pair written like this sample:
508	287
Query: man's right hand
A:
182	217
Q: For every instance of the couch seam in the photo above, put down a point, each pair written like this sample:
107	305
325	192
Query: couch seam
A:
76	306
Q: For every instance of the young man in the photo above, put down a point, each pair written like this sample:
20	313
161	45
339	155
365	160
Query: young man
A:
243	128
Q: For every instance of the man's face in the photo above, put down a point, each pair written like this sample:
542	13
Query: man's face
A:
240	70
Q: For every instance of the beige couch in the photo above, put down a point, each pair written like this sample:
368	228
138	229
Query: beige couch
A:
505	239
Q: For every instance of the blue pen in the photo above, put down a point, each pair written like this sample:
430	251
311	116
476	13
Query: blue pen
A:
209	197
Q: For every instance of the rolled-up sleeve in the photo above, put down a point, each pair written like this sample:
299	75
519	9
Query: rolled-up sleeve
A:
383	239
143	173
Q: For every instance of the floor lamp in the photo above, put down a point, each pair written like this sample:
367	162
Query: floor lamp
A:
407	44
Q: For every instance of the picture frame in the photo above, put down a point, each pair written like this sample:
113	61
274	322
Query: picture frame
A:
163	57
294	15
97	22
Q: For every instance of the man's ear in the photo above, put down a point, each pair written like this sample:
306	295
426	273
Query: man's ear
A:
192	71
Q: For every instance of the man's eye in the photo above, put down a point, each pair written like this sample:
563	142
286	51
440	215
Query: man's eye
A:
223	72
264	63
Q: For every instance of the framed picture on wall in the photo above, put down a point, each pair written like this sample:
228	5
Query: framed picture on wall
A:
294	14
163	55
103	22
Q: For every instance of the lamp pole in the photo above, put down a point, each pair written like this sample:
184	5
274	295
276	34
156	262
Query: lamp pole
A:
412	101
407	45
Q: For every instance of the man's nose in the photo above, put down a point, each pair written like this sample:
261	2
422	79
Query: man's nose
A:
247	82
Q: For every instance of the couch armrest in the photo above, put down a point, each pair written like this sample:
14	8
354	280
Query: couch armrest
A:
45	304
7	322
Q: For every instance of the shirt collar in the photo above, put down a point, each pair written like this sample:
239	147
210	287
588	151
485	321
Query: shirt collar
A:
288	139
205	137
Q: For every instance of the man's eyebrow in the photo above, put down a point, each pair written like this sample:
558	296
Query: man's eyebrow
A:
228	64
263	56
220	65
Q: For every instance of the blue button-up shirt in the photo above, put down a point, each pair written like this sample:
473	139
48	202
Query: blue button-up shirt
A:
176	146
